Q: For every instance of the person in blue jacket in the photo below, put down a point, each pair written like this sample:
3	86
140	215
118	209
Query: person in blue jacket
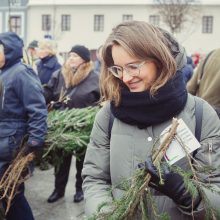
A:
23	112
48	61
187	70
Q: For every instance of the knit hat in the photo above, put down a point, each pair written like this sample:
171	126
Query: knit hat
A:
33	44
82	51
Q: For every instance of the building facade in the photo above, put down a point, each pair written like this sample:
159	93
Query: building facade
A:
13	17
89	22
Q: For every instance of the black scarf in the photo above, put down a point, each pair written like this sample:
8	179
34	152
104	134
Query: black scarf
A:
143	110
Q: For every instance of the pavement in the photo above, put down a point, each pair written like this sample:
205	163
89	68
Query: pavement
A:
40	186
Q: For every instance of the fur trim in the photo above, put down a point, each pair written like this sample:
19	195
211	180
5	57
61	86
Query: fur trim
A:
74	77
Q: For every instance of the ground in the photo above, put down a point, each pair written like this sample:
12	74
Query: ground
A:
41	185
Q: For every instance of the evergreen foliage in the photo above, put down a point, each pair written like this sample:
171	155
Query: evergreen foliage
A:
138	198
68	130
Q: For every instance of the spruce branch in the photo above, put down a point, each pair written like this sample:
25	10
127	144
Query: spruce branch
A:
194	186
68	130
134	198
14	176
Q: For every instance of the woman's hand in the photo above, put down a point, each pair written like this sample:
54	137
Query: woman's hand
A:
173	186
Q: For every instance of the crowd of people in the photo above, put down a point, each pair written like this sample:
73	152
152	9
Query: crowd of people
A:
143	85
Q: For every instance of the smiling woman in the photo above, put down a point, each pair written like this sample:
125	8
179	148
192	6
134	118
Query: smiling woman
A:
123	50
139	76
142	84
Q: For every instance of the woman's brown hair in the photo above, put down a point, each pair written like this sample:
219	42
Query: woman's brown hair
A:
141	40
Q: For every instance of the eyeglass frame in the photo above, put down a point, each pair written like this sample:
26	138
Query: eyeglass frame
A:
138	66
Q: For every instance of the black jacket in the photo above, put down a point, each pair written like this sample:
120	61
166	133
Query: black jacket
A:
85	94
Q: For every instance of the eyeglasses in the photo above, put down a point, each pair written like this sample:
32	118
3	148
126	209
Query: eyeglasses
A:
132	69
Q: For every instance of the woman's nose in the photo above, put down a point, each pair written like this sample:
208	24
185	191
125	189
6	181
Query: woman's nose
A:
126	76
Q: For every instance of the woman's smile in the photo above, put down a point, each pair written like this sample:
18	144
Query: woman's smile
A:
144	75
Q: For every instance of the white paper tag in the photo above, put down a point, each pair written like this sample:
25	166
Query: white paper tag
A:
175	151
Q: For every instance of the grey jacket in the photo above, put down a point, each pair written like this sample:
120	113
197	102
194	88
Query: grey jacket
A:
108	164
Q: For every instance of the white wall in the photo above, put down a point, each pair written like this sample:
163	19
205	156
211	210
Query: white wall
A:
1	28
195	40
82	18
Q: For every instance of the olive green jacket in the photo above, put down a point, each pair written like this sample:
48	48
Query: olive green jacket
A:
209	86
107	163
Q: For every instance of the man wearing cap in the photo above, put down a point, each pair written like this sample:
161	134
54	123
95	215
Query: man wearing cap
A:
75	85
30	54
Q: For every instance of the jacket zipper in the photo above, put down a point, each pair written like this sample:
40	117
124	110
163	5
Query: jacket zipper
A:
3	99
210	153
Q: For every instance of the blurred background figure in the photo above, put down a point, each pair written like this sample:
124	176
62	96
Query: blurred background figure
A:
97	63
48	62
188	69
32	54
75	85
195	58
205	82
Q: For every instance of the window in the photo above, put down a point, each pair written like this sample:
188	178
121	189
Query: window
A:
99	23
127	17
207	24
15	2
15	24
154	19
46	22
65	23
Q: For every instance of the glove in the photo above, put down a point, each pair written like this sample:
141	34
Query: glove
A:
37	152
57	105
173	186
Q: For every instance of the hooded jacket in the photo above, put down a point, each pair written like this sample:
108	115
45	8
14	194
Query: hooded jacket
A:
22	104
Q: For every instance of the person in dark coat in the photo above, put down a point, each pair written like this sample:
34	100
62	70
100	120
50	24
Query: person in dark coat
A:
97	63
75	85
48	62
23	112
187	70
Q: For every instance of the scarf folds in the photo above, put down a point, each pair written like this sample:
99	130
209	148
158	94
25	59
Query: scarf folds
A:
143	110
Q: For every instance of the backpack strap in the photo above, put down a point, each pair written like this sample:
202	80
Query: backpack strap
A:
203	66
110	124
198	116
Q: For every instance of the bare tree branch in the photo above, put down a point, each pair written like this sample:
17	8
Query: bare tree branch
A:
176	12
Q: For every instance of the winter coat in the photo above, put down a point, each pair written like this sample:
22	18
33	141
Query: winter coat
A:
209	88
109	162
45	68
22	105
85	94
187	70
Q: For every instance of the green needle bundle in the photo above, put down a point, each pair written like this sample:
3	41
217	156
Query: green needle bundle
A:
68	132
